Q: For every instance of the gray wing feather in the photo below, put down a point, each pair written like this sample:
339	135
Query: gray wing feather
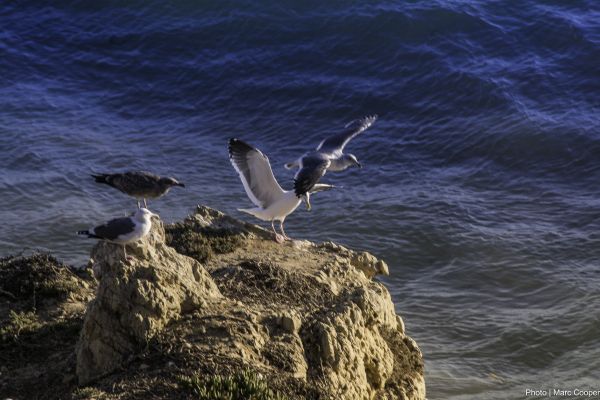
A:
134	183
255	172
336	143
313	167
112	229
138	182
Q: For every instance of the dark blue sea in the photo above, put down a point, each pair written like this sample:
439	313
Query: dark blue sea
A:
481	178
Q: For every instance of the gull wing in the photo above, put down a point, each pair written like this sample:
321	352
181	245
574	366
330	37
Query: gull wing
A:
112	229
255	172
312	168
336	143
132	182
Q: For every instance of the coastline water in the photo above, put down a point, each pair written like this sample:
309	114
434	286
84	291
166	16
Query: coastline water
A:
480	179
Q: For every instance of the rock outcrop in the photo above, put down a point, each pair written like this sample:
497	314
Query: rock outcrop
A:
308	317
136	298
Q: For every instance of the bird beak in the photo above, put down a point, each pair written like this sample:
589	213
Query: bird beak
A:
180	184
359	164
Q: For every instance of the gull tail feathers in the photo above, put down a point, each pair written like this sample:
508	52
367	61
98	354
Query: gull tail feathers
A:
88	233
257	212
101	178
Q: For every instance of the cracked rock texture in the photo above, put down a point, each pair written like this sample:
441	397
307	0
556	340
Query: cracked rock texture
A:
309	317
137	298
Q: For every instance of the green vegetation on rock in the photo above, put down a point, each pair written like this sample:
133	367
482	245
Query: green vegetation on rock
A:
19	322
243	385
88	393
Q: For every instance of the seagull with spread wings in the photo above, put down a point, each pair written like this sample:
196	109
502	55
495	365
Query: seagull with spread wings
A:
329	156
332	148
271	201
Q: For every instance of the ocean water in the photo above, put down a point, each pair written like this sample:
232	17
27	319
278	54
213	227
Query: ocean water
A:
481	178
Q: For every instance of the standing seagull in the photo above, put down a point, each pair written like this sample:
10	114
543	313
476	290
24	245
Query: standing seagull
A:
139	184
123	230
332	148
272	202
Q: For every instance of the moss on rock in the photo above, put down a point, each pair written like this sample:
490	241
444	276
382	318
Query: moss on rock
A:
19	322
41	313
192	239
38	275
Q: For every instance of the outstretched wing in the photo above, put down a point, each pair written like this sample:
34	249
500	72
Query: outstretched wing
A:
312	168
255	172
336	143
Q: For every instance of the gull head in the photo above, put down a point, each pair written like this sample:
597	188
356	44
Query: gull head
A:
351	161
145	214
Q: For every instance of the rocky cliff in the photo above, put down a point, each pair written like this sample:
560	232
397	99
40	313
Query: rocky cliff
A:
213	308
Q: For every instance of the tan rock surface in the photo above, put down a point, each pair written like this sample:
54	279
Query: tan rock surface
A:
308	316
136	299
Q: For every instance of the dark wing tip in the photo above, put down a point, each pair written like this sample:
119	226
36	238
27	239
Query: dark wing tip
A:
301	187
302	184
238	147
230	147
100	178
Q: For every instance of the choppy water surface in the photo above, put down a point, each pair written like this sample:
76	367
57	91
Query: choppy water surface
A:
481	185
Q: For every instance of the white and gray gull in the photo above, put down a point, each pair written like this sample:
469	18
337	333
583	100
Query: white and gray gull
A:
123	230
139	184
272	202
329	156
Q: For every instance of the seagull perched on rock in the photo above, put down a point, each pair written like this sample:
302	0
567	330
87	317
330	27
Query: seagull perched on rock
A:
123	230
139	184
272	202
332	148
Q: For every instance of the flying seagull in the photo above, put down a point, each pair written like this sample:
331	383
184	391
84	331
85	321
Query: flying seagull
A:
123	230
139	184
272	202
332	148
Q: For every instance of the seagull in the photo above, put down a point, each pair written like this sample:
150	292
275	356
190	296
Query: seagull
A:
123	230
272	202
332	148
139	184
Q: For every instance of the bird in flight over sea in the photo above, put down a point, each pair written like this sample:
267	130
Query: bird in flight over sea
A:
329	156
123	230
139	184
330	152
271	201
